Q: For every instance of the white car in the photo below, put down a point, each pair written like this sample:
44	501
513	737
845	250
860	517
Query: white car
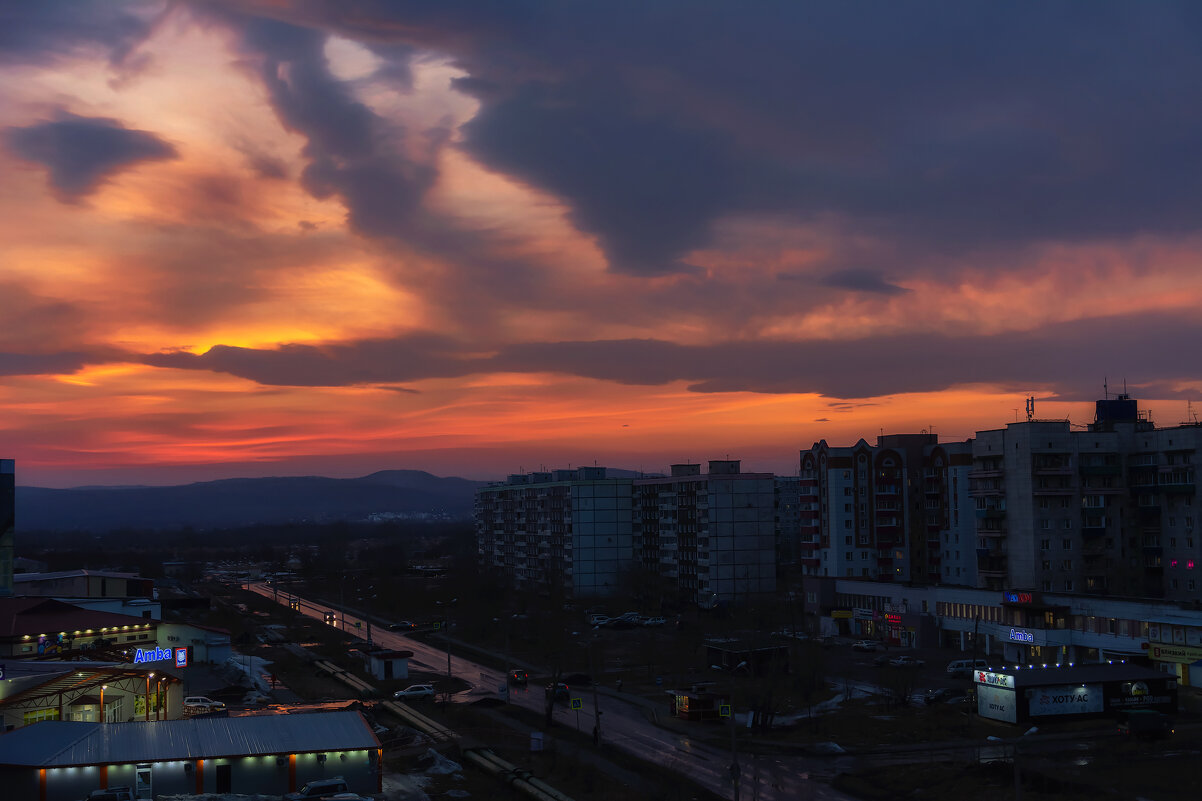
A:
197	704
415	691
906	662
655	621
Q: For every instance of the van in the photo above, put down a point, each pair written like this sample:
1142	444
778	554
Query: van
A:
965	667
1147	724
319	788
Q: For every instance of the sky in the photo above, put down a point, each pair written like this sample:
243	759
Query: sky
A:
275	237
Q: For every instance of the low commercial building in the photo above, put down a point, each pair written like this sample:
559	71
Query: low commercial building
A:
1064	692
269	754
34	691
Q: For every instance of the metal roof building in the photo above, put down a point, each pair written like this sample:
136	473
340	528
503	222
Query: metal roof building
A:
63	761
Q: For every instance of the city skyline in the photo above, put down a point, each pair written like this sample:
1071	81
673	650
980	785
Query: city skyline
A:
247	239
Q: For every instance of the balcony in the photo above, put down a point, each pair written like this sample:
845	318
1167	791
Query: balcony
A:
995	533
990	514
1093	532
986	473
810	561
1101	470
1056	470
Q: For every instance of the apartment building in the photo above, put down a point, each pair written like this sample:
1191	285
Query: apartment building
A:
712	535
1108	510
566	530
896	511
702	538
8	504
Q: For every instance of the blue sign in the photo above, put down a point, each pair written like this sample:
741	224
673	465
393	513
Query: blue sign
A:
157	654
1018	635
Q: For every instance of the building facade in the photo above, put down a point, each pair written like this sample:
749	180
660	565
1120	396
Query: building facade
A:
8	508
699	537
1109	510
895	511
565	530
712	535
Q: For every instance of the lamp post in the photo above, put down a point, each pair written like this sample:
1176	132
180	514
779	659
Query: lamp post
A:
446	635
149	676
103	687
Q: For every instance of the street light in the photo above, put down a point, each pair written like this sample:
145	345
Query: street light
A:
149	676
446	634
103	687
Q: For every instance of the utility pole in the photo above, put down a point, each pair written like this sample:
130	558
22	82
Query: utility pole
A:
596	707
734	751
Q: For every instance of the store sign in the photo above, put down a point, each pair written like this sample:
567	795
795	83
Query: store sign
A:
1069	699
996	703
1016	597
1174	653
862	614
156	654
991	679
840	614
1019	635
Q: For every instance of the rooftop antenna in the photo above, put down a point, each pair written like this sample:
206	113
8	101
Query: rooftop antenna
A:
1105	388
1030	407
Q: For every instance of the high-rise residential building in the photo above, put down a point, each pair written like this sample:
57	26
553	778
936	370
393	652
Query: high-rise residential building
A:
890	512
8	507
1108	510
701	538
711	535
566	530
788	520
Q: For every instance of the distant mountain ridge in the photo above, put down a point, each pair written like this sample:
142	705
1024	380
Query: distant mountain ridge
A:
234	502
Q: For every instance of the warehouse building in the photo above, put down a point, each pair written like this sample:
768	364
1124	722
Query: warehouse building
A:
269	754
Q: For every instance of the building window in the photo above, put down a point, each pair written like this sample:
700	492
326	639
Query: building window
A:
1068	585
1047	564
1067	523
1045	523
1066	545
1045	545
1067	564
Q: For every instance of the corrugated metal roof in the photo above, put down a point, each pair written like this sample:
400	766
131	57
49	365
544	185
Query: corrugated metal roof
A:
56	743
1080	674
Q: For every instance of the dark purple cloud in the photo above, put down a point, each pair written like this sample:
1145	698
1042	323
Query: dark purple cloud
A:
947	126
81	152
45	363
46	31
1063	356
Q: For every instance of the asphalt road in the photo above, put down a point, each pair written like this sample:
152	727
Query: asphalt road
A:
625	724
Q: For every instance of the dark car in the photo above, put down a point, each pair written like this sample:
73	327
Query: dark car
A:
936	695
519	677
402	625
559	692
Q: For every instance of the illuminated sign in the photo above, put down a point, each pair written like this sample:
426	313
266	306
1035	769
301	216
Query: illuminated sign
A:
1018	635
1065	700
1015	597
1174	653
178	655
995	679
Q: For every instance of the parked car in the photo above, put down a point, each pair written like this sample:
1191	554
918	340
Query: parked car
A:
415	691
936	695
881	660
655	621
402	625
199	704
863	645
559	692
598	620
319	789
112	794
906	662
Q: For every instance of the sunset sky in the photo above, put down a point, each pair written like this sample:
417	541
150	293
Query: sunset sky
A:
282	238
